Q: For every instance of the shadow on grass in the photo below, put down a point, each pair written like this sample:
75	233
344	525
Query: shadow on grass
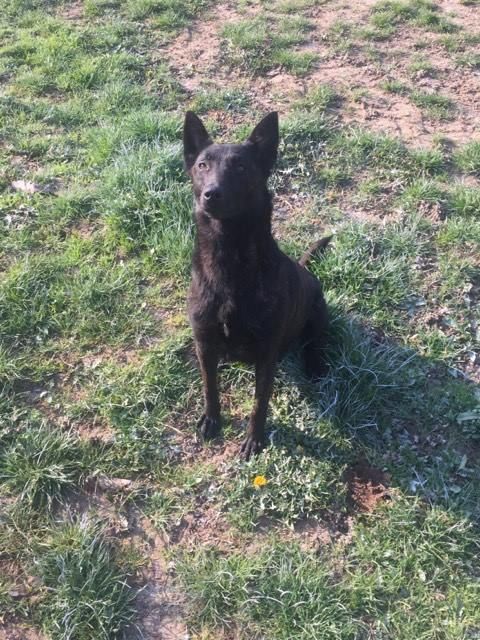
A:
380	405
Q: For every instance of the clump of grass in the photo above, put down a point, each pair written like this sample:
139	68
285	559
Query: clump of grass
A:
144	125
147	200
419	65
263	43
69	294
470	59
297	62
87	593
465	202
168	15
293	6
319	98
457	231
467	158
396	86
229	99
459	42
139	401
64	61
437	106
372	269
41	464
341	34
388	15
423	192
428	162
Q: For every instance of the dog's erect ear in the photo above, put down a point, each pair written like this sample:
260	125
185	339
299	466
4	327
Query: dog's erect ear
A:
264	139
195	138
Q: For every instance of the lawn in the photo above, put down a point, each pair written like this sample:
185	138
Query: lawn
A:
115	520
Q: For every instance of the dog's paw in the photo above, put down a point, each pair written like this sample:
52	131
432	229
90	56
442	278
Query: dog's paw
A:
251	446
209	427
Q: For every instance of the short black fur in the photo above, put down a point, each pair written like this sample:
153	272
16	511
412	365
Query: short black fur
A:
248	301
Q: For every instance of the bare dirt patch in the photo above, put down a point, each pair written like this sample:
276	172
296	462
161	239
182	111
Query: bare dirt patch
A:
205	526
195	56
13	631
367	486
72	11
464	15
160	604
366	103
325	16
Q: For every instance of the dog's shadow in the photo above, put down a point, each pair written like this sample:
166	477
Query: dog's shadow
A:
380	403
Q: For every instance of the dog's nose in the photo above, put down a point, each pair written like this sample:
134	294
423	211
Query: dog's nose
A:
212	193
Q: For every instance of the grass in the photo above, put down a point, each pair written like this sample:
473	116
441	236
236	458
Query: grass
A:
97	368
435	105
388	15
286	593
263	43
86	591
420	67
467	158
41	465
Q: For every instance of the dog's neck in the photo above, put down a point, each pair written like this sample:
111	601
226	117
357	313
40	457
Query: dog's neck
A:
236	246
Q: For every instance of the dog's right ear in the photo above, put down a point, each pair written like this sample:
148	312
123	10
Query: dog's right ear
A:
264	141
195	138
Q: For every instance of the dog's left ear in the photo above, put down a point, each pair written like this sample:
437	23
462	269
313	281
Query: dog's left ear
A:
195	138
264	139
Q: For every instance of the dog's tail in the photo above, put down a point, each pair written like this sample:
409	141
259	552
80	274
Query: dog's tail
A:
316	248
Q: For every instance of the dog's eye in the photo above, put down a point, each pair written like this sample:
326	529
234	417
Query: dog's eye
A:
202	165
240	167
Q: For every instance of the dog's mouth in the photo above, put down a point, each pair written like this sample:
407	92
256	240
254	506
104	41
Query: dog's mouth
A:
218	211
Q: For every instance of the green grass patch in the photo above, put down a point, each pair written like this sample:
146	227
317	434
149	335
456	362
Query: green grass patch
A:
75	294
388	15
391	568
435	105
139	401
87	593
263	43
41	464
467	158
421	66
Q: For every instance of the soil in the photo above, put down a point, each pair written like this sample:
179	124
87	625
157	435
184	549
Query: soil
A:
367	486
159	604
13	631
195	57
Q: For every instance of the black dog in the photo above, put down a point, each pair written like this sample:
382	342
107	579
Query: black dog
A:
248	301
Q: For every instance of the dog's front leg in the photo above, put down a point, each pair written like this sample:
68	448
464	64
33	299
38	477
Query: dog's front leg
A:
264	375
209	424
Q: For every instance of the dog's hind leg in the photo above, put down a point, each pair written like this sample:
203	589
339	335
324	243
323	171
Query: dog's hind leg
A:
314	339
209	424
255	438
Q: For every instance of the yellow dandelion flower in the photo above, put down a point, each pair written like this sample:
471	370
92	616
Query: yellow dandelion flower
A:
259	481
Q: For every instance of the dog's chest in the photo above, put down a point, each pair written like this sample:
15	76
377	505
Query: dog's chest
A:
241	319
238	317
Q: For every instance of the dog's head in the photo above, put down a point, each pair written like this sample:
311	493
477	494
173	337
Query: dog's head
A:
229	179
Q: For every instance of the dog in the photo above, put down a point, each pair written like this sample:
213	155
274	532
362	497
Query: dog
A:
248	301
